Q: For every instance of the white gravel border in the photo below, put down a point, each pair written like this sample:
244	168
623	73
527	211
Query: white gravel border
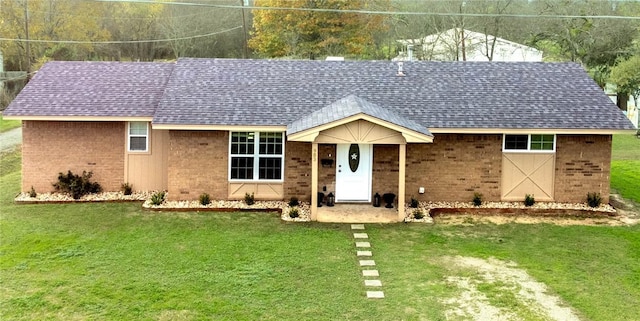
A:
304	210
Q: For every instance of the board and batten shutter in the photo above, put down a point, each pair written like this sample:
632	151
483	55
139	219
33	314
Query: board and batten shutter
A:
528	173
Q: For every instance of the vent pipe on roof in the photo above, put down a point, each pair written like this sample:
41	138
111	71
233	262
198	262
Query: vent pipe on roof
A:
400	70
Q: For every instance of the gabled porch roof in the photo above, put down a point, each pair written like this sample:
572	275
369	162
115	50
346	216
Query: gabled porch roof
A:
352	108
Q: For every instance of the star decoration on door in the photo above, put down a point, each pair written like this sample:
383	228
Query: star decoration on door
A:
354	156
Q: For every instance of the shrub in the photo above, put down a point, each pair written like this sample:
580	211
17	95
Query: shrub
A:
248	198
205	199
32	192
294	202
477	199
76	185
127	189
158	198
418	214
594	199
414	202
293	213
529	200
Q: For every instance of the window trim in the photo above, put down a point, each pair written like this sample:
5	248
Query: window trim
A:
256	157
528	150
146	136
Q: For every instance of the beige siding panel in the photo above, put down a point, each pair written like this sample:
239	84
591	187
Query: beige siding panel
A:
360	131
528	173
260	190
148	171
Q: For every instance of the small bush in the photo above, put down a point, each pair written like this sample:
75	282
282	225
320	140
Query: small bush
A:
32	192
414	202
418	214
76	185
294	202
205	199
127	189
293	213
529	200
594	199
158	198
248	198
477	199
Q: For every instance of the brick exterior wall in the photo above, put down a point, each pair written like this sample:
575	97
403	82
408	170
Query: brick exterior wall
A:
297	171
455	166
583	164
385	169
198	163
51	147
327	175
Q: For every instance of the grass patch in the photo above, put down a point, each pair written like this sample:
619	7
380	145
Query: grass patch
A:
625	166
625	178
625	147
6	125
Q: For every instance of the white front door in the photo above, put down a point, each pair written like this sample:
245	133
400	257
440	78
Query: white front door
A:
353	172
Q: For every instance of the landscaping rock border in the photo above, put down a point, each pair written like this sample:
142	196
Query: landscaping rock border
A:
429	209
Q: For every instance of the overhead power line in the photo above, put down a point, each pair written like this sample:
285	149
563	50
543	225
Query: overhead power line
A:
121	41
377	12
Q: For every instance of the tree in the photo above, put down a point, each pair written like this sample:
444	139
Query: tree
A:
626	76
49	20
310	34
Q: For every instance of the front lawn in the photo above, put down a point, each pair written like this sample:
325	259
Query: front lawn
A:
118	262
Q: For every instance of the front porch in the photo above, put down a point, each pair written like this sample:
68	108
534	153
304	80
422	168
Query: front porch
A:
356	213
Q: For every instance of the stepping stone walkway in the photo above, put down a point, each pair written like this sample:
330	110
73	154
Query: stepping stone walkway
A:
372	284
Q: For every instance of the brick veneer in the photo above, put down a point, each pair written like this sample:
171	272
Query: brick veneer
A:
583	164
385	169
51	147
455	166
297	171
198	163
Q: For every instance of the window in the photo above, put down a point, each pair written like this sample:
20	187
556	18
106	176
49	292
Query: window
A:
256	156
530	143
138	136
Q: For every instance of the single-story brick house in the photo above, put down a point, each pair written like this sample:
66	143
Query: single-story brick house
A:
436	131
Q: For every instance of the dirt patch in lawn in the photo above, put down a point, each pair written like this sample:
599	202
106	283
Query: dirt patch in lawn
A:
496	290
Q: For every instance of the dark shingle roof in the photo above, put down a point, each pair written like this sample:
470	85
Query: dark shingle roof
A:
481	95
350	106
508	95
111	89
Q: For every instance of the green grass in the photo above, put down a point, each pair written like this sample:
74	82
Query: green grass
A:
625	166
6	125
118	262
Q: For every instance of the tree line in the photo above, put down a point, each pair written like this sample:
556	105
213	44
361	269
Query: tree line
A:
36	31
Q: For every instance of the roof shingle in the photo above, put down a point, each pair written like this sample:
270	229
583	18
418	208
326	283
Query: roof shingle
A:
100	89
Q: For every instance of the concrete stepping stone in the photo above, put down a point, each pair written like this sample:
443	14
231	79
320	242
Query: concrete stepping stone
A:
370	273
375	294
364	253
372	283
357	226
367	263
360	235
363	244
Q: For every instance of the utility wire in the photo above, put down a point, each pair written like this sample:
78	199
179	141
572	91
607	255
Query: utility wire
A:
122	41
415	13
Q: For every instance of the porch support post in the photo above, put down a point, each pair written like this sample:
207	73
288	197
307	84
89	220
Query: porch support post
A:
314	181
401	180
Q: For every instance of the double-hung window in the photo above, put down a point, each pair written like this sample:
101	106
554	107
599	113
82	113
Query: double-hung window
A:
138	136
256	156
529	143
